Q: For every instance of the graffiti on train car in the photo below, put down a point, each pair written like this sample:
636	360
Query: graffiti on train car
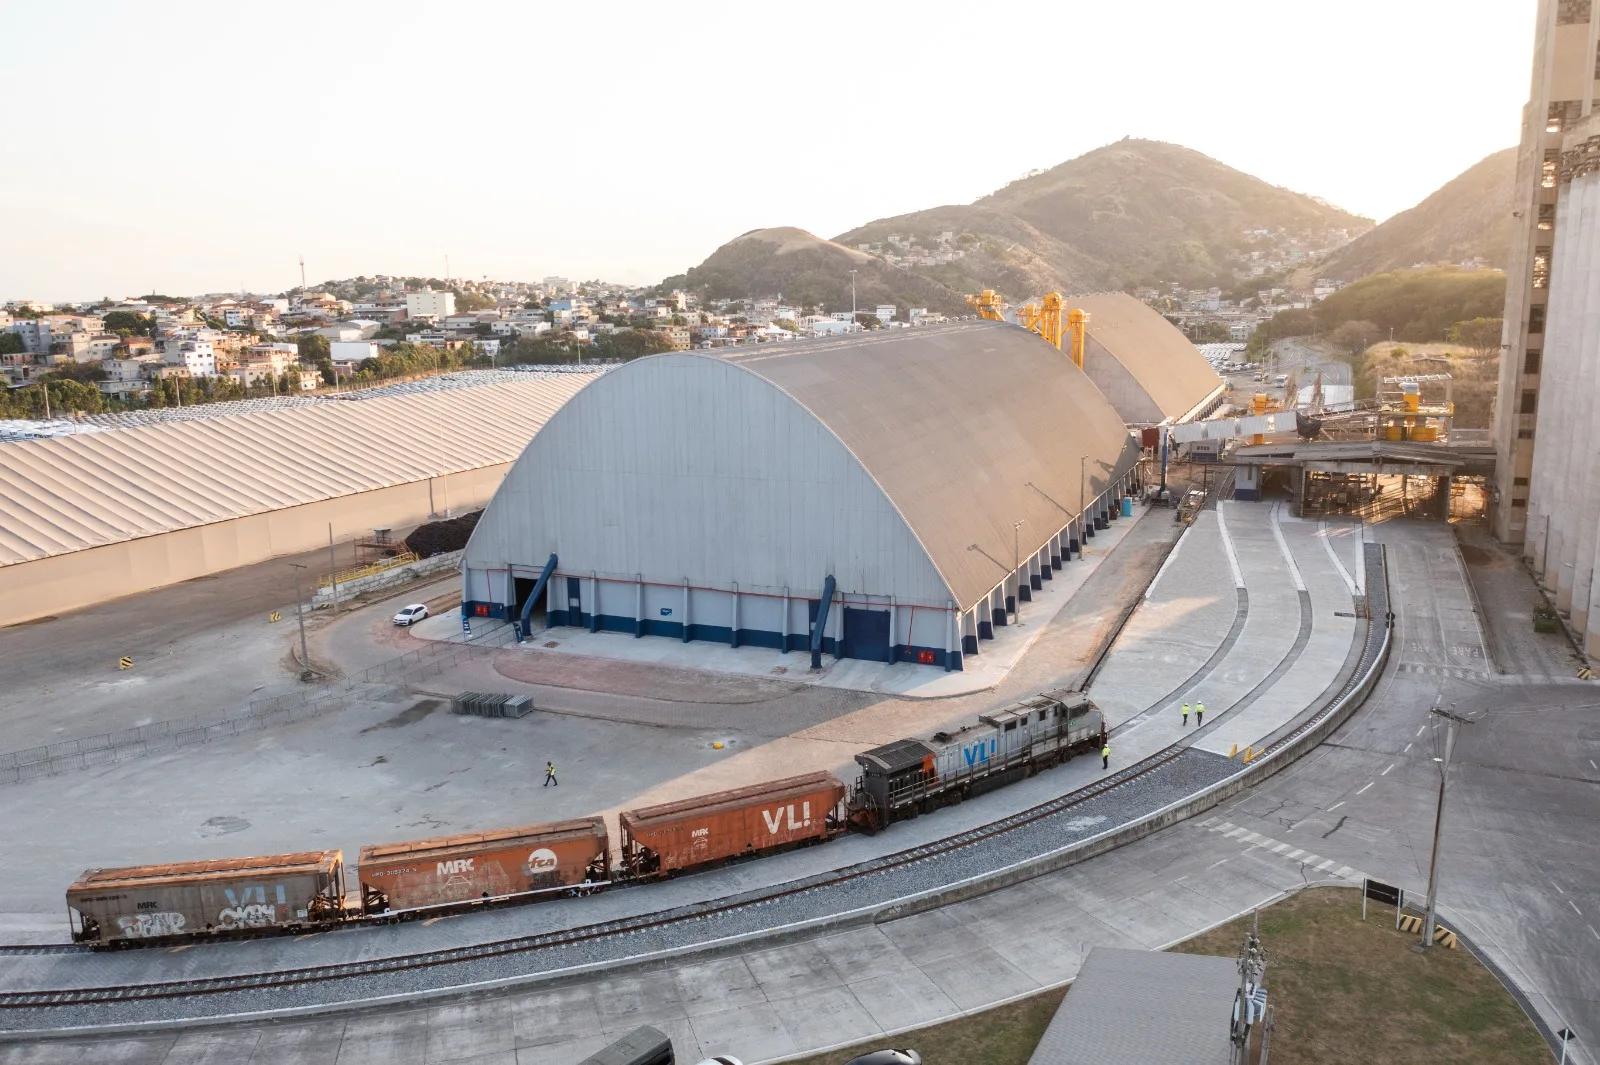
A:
149	925
775	818
255	915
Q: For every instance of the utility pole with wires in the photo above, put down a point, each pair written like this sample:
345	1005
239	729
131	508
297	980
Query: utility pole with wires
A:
1453	722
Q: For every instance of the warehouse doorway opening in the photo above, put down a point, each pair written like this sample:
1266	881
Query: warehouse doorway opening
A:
866	634
522	588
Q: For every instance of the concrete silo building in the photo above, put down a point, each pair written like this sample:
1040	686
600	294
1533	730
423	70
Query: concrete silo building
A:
899	490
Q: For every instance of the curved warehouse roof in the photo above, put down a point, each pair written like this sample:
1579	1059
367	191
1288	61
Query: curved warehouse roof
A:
69	493
1143	363
730	469
967	428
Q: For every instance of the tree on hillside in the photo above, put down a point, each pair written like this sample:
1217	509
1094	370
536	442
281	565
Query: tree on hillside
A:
1481	336
1420	306
11	344
313	348
1356	337
467	302
135	324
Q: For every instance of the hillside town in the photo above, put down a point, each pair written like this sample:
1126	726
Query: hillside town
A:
155	350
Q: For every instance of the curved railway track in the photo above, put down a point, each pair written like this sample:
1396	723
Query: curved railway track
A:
643	925
544	940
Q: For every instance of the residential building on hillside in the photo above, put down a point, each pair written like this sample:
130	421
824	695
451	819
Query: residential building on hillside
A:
195	357
430	304
885	313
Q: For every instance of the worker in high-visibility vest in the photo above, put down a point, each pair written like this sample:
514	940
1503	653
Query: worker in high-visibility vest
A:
1185	713
1199	714
1105	756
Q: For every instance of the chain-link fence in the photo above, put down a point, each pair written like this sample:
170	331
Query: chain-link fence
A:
160	737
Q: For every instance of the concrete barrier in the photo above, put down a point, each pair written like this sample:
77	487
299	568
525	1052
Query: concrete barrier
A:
390	578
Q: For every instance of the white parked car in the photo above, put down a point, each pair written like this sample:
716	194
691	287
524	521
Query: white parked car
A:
411	614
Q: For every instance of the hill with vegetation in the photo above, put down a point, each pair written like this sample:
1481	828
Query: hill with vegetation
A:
1469	217
1132	213
810	272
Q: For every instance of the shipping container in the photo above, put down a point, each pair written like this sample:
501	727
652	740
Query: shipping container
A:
480	865
160	903
658	840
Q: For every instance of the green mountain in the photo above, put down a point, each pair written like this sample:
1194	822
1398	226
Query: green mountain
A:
1132	213
810	272
1470	216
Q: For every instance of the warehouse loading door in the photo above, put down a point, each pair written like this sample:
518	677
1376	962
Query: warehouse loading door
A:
522	587
866	634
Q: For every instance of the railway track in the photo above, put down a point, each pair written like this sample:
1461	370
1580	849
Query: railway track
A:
541	941
648	929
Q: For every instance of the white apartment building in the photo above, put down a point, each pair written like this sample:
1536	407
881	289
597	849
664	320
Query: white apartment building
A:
352	351
430	304
885	313
194	356
35	334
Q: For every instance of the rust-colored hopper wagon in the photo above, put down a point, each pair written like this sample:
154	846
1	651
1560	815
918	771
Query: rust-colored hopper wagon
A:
482	865
151	904
659	840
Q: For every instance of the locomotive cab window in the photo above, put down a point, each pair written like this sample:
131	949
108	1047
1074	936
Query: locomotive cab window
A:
1010	725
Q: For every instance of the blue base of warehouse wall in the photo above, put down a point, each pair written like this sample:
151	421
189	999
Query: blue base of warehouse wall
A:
723	634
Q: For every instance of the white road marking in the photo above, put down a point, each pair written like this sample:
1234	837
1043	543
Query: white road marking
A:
1592	932
1421	730
1592	765
1279	848
1558	889
1283	547
1345	871
1227	546
1386	771
1574	906
1323	865
1296	853
1367	785
1327	545
1335	806
1408	748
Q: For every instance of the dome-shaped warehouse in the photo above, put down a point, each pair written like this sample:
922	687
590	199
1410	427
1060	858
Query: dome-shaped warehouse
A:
874	481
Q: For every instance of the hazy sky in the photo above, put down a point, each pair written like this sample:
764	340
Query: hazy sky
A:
188	147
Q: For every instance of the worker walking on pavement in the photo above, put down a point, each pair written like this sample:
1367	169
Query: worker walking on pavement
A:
550	775
1199	714
1185	713
1105	756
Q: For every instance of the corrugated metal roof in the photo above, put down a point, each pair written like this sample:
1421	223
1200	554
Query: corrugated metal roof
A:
70	493
1155	352
966	427
1142	1007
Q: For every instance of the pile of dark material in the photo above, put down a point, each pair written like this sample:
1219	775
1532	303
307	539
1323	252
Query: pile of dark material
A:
439	536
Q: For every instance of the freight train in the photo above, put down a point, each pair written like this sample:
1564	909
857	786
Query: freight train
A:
290	893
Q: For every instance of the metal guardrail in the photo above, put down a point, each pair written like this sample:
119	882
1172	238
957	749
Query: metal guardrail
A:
161	737
369	570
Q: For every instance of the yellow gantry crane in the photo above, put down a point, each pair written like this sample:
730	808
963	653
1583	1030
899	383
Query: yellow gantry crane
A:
1044	318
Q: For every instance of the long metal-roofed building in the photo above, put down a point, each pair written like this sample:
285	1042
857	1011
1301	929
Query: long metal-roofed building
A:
93	516
1144	364
895	493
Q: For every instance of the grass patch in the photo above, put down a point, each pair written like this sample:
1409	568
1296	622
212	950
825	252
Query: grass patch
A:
1341	990
1347	991
1005	1035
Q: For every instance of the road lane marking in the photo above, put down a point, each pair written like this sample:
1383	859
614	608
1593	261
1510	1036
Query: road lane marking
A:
1558	889
1283	547
1408	748
1367	785
1335	806
1421	730
1386	771
1592	932
1574	906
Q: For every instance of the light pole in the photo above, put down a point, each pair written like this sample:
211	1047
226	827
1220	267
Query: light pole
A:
852	297
305	655
1083	498
1016	567
1566	1035
1453	722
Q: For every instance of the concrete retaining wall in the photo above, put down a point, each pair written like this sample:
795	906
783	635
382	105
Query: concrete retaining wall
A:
444	562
